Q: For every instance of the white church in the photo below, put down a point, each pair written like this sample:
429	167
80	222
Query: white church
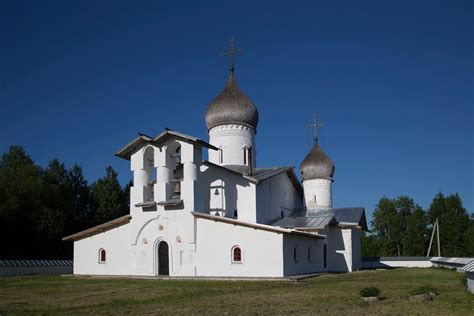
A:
225	216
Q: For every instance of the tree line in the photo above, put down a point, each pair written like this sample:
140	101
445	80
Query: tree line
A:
400	227
39	206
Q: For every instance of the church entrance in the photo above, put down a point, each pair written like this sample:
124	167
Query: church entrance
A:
163	258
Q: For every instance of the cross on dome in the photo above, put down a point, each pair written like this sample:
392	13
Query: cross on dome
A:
314	125
231	53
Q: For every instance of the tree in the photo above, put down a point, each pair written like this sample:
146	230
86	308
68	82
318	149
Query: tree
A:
82	212
108	198
469	238
20	187
399	227
453	223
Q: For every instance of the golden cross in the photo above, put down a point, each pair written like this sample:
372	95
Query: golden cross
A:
231	54
314	125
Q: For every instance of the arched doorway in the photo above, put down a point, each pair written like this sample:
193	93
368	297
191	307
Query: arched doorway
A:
163	258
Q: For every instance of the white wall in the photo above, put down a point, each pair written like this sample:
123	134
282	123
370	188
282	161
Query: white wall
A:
117	246
239	193
232	139
276	195
261	251
339	243
470	281
318	193
302	265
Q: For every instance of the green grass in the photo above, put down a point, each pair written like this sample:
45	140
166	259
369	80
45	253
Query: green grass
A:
327	294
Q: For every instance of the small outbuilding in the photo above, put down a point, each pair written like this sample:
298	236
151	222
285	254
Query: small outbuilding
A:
469	269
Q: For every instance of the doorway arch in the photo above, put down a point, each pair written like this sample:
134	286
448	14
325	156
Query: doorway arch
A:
163	261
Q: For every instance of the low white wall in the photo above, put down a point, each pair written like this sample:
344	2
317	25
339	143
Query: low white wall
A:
396	262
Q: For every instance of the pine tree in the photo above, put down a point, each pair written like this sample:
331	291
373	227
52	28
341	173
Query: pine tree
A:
108	197
453	223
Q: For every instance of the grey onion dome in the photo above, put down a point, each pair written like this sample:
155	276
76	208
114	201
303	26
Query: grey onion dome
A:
317	165
231	106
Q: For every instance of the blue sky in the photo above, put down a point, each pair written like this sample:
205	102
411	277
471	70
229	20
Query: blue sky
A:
392	81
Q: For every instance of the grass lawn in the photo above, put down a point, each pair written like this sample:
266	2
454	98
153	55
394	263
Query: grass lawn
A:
327	294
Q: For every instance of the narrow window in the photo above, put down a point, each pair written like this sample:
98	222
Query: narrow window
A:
309	254
235	214
236	255
294	255
221	155
245	155
102	256
281	214
325	255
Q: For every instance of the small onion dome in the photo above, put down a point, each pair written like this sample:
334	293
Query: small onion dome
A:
231	106
317	165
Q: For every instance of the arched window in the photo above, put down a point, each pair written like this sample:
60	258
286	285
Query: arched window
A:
102	255
236	254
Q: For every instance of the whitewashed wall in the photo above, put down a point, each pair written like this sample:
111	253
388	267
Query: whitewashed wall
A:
117	246
235	193
232	139
261	251
470	281
339	243
276	195
303	264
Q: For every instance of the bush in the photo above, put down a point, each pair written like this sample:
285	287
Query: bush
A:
424	290
369	292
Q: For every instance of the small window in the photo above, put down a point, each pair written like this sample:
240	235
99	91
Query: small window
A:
236	214
294	255
221	155
282	214
309	254
325	256
245	155
102	256
236	255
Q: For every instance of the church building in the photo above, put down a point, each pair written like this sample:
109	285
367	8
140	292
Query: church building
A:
225	216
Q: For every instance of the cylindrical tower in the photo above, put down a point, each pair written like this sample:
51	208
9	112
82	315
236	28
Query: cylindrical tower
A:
232	120
317	171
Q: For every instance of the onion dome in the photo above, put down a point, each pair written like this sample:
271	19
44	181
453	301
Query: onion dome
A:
231	106
317	165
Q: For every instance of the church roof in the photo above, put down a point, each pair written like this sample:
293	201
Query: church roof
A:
317	165
99	228
231	106
320	218
255	225
142	140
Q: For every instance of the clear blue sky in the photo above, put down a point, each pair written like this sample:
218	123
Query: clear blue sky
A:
392	80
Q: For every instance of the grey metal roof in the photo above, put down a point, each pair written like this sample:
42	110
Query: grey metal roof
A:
231	106
468	267
452	260
320	218
317	165
319	222
35	263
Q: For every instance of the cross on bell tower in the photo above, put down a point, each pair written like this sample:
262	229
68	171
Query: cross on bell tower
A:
314	125
231	53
